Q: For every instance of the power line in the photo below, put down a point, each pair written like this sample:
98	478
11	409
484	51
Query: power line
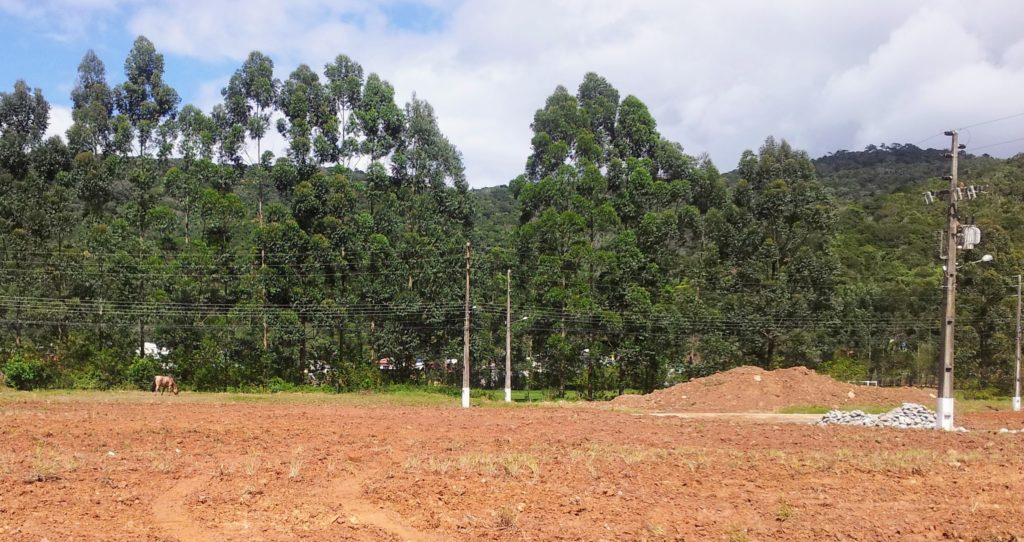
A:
983	123
998	144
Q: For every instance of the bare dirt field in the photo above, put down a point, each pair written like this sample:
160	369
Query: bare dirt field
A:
131	467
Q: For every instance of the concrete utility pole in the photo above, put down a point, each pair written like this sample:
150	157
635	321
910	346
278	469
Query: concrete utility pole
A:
1016	378
508	336
465	341
944	412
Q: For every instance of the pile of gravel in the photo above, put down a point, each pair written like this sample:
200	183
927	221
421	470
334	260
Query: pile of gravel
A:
908	416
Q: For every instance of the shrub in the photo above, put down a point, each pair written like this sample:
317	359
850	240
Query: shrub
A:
27	373
108	366
845	369
278	385
85	379
358	376
141	373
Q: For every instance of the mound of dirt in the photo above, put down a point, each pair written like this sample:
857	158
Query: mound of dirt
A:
752	389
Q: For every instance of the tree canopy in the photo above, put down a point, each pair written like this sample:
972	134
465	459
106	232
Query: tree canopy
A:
633	263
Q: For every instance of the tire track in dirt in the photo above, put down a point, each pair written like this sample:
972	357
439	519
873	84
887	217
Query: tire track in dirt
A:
365	512
171	518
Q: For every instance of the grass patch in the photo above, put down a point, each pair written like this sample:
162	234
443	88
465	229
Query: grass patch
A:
295	468
653	529
49	464
822	409
506	518
962	405
981	405
511	464
736	534
163	462
784	511
380	398
399	395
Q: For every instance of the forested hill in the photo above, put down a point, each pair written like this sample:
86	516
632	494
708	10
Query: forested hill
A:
860	178
497	215
341	261
882	169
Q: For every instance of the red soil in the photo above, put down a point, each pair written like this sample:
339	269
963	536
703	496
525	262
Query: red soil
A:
192	468
752	389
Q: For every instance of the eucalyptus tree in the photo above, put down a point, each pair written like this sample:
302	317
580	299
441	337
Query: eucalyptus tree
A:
198	135
379	119
776	234
328	206
24	116
92	108
424	159
306	108
144	100
249	101
607	209
345	84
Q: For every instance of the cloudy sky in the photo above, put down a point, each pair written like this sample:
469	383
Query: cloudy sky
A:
718	75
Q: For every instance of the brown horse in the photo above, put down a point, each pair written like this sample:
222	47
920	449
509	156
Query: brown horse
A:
164	383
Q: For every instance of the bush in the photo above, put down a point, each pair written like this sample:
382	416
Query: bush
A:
141	373
85	379
970	388
27	373
845	369
278	385
108	366
358	376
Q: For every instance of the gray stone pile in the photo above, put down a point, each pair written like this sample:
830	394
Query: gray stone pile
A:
908	416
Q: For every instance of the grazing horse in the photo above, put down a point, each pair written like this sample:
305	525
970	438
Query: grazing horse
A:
164	383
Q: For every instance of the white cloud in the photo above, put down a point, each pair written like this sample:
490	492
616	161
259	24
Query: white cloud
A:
62	20
718	75
60	121
932	73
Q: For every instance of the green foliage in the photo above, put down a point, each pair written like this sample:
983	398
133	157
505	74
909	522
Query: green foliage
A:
141	372
633	264
106	369
845	369
26	372
87	378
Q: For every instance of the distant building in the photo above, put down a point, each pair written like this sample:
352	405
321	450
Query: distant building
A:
151	350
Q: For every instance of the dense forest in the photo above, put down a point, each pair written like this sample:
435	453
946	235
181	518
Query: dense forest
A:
342	263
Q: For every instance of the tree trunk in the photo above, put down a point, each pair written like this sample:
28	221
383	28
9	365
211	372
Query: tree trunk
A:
622	375
17	326
373	350
303	353
769	353
590	378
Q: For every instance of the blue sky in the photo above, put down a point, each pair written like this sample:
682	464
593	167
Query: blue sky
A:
718	75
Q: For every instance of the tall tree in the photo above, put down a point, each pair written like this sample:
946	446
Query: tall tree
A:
345	83
144	100
380	120
306	107
777	234
249	101
92	107
424	158
24	116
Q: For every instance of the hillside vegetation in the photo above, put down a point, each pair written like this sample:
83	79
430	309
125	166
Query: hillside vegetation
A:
632	262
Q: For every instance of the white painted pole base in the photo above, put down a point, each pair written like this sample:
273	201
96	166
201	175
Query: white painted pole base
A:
465	397
944	414
1016	404
508	395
